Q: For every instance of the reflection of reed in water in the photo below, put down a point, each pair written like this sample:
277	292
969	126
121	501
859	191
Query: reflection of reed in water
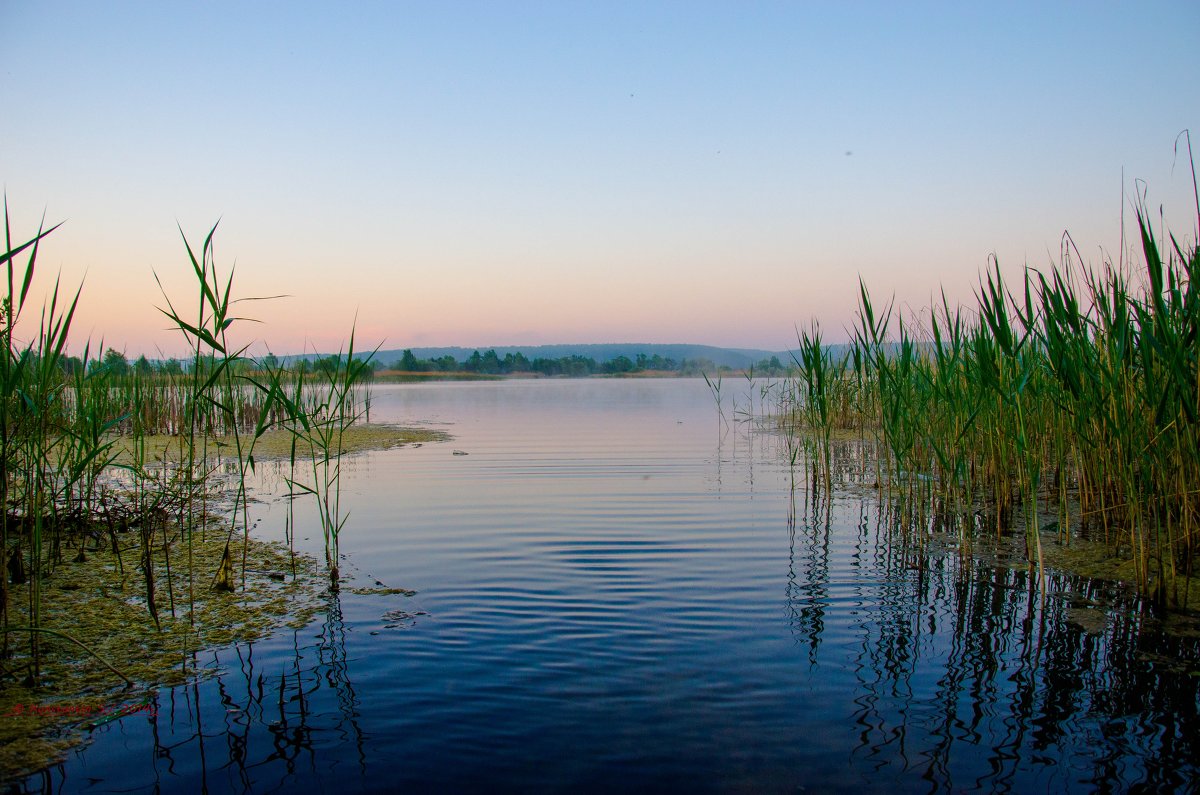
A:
256	729
807	592
969	677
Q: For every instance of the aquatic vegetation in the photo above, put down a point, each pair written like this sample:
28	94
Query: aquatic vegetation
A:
319	430
98	603
1069	403
94	453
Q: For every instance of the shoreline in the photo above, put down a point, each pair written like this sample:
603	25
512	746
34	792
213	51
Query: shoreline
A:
95	597
276	445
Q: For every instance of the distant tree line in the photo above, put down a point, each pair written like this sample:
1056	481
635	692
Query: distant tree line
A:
490	363
115	363
487	363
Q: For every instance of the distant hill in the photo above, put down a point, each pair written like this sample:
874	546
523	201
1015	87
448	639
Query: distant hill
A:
732	357
736	358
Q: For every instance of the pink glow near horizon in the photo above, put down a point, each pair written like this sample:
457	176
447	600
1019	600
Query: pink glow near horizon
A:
694	174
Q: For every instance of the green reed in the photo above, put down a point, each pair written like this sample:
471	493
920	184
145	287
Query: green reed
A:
818	372
317	417
62	482
1074	395
32	419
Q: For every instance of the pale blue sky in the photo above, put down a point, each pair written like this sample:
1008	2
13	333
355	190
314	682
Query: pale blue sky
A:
522	173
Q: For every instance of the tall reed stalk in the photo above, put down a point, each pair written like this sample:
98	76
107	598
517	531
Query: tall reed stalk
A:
319	430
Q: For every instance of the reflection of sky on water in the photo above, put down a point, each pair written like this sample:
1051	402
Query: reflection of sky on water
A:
616	591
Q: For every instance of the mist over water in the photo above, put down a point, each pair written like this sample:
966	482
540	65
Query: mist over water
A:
616	589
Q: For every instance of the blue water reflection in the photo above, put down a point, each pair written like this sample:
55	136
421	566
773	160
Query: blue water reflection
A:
616	591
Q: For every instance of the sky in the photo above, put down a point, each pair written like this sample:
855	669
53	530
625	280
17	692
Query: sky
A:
515	173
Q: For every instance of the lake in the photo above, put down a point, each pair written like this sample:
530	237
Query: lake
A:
618	590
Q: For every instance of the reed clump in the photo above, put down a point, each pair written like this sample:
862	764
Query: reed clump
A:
1067	406
143	469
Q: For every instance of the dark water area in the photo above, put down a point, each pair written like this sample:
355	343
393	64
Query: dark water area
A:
617	591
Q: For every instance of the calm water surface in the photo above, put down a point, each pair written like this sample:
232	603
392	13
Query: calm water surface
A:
611	596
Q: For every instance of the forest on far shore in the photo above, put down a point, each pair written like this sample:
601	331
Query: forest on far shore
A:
490	363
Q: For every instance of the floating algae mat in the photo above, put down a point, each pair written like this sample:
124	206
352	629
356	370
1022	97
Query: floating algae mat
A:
277	444
101	603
